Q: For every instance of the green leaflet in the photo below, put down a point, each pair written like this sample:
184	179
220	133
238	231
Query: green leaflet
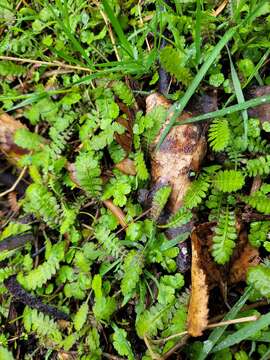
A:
159	201
197	191
219	134
258	166
259	277
40	275
133	268
41	324
120	342
224	237
229	180
104	306
80	317
173	61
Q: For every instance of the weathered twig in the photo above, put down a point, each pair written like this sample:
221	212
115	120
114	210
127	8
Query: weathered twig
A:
15	241
27	299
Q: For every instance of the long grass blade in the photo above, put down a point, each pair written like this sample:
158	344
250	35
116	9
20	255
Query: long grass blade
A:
229	110
218	332
239	95
255	71
197	39
244	333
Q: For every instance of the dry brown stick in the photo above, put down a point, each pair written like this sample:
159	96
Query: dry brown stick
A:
176	347
220	8
210	326
109	28
48	63
13	187
153	355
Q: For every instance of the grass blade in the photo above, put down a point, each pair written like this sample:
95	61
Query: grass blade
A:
229	110
218	332
177	108
243	333
118	29
239	95
197	39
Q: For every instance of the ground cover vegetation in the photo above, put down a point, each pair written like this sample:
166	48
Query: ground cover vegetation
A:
134	225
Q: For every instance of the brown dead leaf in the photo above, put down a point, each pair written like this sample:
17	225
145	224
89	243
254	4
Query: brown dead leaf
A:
198	306
124	140
117	212
243	257
127	166
8	127
181	152
62	355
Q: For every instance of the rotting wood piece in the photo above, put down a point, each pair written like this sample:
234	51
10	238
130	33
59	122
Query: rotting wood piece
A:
182	151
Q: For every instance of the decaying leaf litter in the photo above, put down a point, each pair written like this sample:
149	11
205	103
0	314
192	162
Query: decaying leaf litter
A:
127	230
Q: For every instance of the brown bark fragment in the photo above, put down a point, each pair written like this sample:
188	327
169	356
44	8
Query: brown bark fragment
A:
198	306
181	152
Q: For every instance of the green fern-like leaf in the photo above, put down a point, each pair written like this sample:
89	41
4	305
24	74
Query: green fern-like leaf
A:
41	324
259	202
6	272
258	145
104	306
9	68
173	62
259	166
178	320
42	204
121	343
93	343
197	191
258	232
133	268
181	217
219	134
88	173
81	317
168	285
150	321
28	140
224	238
123	92
141	168
229	180
40	275
160	199
259	277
